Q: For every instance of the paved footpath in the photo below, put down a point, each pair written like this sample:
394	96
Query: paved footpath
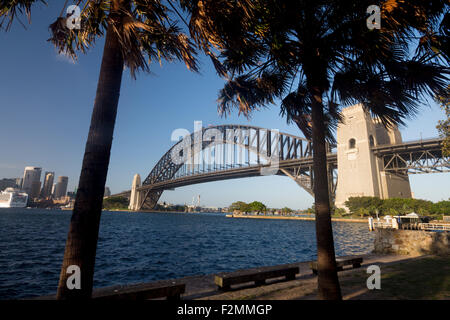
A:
303	287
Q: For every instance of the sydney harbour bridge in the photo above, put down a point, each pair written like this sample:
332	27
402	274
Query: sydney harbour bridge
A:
237	151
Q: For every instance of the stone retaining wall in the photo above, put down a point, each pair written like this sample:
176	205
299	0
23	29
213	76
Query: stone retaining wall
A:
411	242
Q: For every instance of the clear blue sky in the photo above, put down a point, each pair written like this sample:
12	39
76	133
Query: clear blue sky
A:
46	103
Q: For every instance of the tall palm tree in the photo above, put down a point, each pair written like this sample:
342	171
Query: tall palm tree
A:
443	126
316	57
135	30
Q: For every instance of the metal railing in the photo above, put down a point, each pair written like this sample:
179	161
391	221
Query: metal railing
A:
413	226
382	225
435	226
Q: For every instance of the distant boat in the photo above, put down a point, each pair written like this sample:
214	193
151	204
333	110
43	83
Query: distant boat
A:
13	198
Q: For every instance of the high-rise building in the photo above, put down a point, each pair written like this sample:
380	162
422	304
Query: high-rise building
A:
35	189
31	182
107	192
46	191
19	182
61	187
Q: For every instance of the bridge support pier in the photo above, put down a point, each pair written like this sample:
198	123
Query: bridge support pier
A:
360	170
135	198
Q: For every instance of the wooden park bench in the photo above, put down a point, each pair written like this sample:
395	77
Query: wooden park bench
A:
258	276
141	291
340	263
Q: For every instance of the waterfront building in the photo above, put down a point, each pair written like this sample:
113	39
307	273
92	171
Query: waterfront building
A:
61	187
107	192
32	181
46	191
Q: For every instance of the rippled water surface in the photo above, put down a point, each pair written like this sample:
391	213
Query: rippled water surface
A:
138	247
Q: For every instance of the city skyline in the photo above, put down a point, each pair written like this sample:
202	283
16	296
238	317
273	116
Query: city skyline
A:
49	189
31	183
59	99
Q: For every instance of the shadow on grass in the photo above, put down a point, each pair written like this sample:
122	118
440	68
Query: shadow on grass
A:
427	278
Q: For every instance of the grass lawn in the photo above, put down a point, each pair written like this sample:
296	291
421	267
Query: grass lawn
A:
425	278
411	278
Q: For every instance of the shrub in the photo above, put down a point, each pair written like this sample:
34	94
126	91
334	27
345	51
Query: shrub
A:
354	204
119	203
441	208
365	206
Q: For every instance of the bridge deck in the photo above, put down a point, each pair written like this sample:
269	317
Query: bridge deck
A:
409	146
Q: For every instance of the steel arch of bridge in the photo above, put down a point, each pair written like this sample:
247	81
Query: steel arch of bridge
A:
232	151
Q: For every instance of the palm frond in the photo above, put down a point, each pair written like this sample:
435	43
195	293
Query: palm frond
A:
296	107
12	9
248	93
145	31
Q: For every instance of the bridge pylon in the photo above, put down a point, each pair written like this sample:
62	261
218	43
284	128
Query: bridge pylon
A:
135	197
360	170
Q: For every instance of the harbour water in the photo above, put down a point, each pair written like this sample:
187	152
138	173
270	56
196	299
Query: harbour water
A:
144	247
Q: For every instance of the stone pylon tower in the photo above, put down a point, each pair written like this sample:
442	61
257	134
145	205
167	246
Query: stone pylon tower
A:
359	170
135	195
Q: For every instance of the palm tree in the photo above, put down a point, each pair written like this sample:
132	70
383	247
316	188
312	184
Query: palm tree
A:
316	57
444	125
134	29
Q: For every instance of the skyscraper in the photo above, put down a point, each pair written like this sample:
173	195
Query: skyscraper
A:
48	184
19	182
61	187
31	183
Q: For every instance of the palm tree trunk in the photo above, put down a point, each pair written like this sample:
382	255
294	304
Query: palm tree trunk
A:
81	242
328	282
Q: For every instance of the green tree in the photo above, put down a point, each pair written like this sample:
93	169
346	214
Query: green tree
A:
356	203
444	125
441	208
118	203
286	210
256	206
374	206
404	206
362	212
136	31
316	56
340	212
238	205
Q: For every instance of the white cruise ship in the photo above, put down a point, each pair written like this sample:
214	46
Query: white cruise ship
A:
13	198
